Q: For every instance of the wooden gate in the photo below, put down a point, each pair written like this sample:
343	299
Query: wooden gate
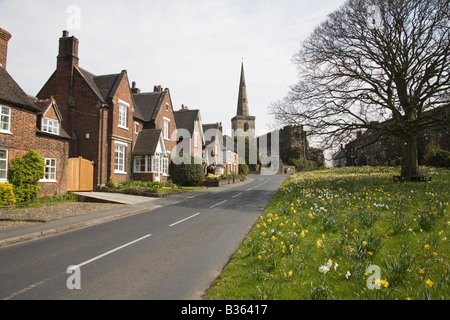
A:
80	175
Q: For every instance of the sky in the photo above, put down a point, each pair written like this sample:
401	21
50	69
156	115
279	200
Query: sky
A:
193	47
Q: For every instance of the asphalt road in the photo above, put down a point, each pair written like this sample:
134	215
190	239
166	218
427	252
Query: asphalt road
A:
171	253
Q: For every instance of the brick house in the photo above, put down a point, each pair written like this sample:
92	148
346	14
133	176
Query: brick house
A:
97	112
28	123
213	148
155	127
190	135
230	156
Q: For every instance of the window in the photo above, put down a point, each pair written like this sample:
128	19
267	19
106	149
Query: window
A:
156	164
123	112
120	158
5	119
50	170
140	164
136	127
50	126
166	128
165	166
195	140
147	164
3	165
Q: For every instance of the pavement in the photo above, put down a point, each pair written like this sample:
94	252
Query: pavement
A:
133	205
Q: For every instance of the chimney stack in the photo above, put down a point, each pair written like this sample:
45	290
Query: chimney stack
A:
68	52
157	89
134	89
4	38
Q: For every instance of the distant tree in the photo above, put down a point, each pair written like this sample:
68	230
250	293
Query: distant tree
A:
378	65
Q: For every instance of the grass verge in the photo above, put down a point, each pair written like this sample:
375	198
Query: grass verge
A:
346	234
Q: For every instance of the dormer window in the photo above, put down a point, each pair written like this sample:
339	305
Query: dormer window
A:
50	126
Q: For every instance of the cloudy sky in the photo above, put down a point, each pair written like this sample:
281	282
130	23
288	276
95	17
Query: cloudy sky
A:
193	47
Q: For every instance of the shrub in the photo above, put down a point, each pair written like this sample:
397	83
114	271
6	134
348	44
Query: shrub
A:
187	174
436	157
243	169
25	173
112	183
6	194
212	177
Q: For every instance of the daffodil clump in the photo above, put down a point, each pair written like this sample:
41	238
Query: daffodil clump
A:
325	231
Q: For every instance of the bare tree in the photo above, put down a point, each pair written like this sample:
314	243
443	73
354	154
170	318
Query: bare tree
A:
381	65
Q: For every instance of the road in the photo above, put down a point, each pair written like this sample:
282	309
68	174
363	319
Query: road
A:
171	253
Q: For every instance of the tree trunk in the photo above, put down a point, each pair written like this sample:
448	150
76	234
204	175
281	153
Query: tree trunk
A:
412	168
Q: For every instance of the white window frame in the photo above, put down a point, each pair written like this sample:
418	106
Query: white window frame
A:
166	129
8	121
50	126
196	140
165	165
50	170
120	167
123	114
136	127
5	179
156	164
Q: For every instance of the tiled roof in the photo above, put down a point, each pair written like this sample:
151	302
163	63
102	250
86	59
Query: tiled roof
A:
146	104
185	119
11	92
147	142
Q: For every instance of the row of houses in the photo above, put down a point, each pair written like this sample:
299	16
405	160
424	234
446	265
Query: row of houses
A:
125	133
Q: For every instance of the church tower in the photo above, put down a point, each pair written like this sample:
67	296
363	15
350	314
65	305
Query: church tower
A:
243	124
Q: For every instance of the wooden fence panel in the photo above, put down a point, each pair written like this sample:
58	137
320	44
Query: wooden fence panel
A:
80	175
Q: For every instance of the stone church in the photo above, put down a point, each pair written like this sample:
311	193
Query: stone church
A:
243	124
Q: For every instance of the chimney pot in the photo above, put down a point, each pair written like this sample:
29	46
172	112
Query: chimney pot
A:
134	89
65	34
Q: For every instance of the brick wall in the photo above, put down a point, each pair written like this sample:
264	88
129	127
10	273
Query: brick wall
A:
23	137
123	94
55	148
166	111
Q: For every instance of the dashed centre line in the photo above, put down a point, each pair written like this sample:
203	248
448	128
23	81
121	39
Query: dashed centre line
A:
174	224
218	204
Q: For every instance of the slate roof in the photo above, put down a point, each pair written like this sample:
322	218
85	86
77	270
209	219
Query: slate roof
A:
11	92
147	142
104	86
185	119
146	104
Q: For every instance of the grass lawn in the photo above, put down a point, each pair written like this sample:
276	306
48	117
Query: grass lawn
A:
342	234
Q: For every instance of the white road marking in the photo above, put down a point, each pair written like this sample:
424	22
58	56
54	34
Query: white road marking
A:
237	195
26	289
111	251
174	224
218	204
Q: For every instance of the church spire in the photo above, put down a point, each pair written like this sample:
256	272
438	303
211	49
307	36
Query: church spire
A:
242	109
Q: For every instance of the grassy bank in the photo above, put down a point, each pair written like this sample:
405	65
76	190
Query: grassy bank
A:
347	233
